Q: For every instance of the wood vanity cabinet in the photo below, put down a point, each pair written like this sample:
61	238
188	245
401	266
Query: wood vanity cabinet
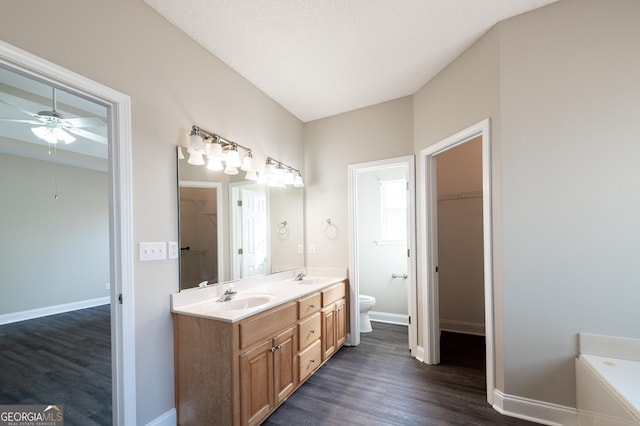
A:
238	373
334	319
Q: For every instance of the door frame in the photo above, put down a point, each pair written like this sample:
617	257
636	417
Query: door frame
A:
353	338
429	245
120	214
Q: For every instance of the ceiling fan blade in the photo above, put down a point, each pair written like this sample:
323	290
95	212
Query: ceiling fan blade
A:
14	120
84	122
87	135
18	108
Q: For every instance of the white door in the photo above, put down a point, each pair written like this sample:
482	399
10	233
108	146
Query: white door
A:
254	231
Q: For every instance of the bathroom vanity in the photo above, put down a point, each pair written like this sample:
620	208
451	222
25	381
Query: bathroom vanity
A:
237	360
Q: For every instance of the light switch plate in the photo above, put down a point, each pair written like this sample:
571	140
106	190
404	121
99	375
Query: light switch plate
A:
153	251
173	249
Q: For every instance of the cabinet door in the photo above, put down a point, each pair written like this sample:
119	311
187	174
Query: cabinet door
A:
328	331
285	364
341	322
256	383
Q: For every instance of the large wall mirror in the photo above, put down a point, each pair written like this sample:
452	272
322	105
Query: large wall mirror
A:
231	228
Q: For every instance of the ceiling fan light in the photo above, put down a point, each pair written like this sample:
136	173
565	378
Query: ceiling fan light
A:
61	135
44	133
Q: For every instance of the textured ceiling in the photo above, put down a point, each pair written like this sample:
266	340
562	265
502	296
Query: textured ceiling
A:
319	58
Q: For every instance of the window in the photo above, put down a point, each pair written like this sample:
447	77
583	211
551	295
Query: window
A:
393	211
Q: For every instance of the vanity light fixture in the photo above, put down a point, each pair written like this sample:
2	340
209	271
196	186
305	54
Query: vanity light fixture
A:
278	174
231	157
221	154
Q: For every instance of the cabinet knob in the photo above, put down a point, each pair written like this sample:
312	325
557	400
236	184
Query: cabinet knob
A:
313	361
312	305
278	347
312	331
273	349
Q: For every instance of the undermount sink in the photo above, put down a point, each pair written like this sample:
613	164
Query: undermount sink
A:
244	302
306	281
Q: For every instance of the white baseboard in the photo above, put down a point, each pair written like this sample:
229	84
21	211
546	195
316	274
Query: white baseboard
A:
462	327
420	353
170	418
52	310
536	411
389	318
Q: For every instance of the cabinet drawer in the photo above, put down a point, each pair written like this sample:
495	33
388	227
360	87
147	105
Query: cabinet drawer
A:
332	294
309	360
264	326
309	331
309	305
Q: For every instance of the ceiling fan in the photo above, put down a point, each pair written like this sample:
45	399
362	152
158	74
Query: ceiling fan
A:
53	127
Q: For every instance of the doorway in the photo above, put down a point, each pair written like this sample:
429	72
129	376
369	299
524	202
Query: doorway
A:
376	236
120	213
200	233
429	245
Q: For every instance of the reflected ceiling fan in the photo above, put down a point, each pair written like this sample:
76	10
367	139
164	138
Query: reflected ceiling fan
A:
53	127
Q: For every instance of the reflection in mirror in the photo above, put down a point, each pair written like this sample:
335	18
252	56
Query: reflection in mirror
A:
235	228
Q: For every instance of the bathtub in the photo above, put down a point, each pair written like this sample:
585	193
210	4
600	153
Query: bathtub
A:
608	381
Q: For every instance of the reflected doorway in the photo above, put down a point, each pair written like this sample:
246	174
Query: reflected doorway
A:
200	235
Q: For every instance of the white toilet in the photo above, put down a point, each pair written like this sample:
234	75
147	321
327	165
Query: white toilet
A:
366	303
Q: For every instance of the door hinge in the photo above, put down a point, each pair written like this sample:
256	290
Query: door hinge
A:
120	298
408	252
239	203
437	269
239	251
409	319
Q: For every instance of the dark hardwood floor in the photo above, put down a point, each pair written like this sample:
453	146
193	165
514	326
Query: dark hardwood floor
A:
60	359
378	383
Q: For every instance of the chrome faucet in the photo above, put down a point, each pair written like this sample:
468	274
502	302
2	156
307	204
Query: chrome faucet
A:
300	276
228	294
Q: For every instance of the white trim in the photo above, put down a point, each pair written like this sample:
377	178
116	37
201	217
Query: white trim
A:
53	310
429	255
169	418
466	327
220	218
120	214
420	353
354	284
532	410
389	318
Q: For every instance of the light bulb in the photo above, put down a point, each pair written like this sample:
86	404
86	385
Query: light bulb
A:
196	158
230	170
233	158
288	177
297	181
195	142
214	164
247	163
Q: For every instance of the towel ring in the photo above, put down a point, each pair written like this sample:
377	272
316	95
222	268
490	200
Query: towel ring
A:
329	230
283	230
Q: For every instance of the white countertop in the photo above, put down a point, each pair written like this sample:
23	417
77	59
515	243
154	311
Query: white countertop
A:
203	302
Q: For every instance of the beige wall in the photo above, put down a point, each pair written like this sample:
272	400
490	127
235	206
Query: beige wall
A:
173	83
570	103
53	251
331	144
560	87
465	93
